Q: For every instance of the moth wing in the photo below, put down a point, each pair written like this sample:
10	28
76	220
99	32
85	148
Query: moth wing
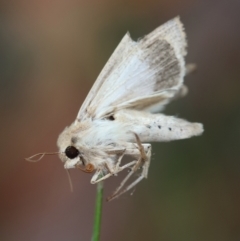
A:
139	74
154	127
158	105
118	56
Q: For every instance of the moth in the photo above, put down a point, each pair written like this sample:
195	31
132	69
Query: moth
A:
120	115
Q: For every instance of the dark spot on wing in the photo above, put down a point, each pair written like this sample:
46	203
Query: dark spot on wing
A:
170	128
159	127
111	118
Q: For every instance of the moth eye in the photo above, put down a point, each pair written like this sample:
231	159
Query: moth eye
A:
71	152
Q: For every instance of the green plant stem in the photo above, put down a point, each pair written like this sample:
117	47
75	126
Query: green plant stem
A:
98	213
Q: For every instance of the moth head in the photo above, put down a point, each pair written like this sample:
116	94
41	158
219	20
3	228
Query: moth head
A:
70	152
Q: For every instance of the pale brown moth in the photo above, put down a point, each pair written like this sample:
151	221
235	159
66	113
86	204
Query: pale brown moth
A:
120	116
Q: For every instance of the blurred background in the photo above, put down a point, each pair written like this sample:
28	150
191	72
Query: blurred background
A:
50	54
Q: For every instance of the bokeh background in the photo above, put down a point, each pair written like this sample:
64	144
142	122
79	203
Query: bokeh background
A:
50	54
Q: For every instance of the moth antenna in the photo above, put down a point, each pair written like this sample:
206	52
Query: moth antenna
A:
41	155
70	180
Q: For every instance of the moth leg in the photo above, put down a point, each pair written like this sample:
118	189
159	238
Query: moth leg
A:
143	156
95	178
111	172
147	163
142	148
144	161
118	168
144	173
117	194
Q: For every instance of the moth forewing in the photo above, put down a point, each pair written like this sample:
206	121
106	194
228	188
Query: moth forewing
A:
119	55
139	69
